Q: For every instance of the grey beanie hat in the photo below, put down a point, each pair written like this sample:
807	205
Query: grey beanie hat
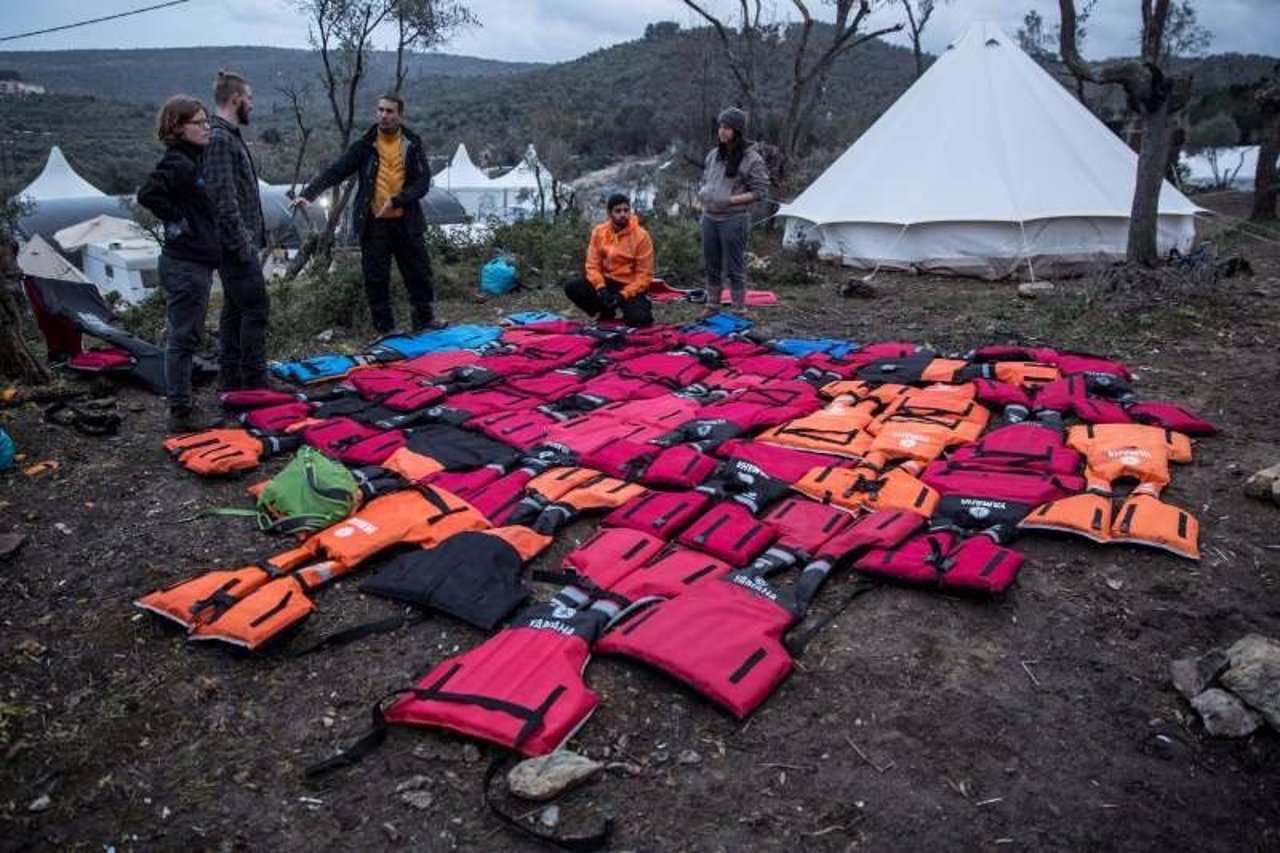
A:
733	118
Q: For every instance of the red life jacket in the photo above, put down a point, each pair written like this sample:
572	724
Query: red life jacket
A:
521	688
660	514
940	559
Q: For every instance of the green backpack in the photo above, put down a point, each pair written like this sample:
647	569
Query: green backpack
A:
309	494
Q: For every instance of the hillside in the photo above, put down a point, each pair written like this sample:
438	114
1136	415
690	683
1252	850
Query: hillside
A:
149	76
631	99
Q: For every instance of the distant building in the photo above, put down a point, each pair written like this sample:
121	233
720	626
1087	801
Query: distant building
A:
11	84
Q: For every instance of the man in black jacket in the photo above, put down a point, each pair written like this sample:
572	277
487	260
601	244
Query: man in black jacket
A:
392	177
232	181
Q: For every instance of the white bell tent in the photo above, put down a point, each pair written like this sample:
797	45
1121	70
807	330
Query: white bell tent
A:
986	164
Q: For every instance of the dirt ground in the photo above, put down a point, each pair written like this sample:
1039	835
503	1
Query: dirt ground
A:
1043	719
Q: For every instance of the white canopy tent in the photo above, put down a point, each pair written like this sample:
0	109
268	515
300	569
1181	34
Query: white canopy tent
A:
985	164
57	181
470	186
525	184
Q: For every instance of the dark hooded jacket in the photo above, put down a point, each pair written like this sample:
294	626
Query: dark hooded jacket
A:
361	160
175	192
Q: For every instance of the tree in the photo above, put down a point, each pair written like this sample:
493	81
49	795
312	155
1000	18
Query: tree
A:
810	67
1155	95
1039	42
918	14
342	33
1266	184
423	25
16	360
1209	137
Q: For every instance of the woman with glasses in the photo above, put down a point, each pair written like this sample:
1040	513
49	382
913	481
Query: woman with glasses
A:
175	193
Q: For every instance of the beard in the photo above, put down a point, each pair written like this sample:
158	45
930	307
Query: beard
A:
242	114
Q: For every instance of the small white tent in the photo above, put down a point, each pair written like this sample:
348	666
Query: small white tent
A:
521	190
984	164
471	187
57	181
100	229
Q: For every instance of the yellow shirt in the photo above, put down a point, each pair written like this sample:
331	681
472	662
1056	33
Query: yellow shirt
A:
390	173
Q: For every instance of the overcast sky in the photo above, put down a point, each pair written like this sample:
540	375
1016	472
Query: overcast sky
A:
556	30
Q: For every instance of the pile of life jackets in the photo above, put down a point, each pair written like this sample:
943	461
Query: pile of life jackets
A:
732	474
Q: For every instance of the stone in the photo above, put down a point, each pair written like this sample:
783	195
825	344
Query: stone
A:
547	776
1032	289
40	803
1224	715
689	756
325	337
550	817
1254	675
1192	676
10	543
1264	484
420	800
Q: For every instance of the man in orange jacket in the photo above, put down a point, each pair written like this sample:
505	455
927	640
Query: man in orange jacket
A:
618	270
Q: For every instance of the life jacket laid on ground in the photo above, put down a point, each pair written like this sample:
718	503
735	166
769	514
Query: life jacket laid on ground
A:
521	689
1116	452
216	452
660	514
781	463
598	564
992	501
723	637
840	429
472	576
227	605
943	560
867	488
1096	398
1028	446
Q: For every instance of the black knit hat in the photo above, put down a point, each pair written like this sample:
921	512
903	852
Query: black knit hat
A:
733	118
615	200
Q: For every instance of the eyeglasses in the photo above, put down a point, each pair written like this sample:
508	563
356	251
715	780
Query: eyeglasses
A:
201	123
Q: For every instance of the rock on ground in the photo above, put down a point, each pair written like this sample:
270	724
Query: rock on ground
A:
548	776
1254	675
1224	715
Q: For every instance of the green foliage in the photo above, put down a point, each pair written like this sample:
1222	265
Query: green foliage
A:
1216	132
146	320
545	251
677	249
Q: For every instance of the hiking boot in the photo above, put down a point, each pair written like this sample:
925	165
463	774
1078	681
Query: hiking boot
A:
228	381
433	325
185	419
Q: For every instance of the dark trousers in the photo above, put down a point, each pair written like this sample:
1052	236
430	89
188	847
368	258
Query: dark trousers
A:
382	240
186	289
246	311
724	249
636	311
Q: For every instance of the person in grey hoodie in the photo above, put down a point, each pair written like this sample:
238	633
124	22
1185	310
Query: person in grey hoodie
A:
734	178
